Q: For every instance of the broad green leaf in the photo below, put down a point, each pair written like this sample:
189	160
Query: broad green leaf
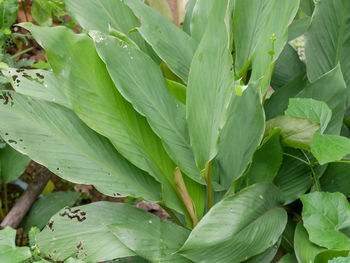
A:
209	94
41	11
54	136
100	14
12	164
305	250
199	19
98	103
328	39
177	90
335	97
287	238
249	21
9	253
276	23
171	44
252	216
340	260
238	139
310	109
8	13
83	232
336	178
307	6
147	92
294	177
150	237
288	258
329	148
279	100
266	161
330	255
48	205
287	68
295	132
326	217
40	84
265	257
298	27
162	7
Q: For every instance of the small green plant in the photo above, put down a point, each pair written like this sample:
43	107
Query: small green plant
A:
45	12
220	123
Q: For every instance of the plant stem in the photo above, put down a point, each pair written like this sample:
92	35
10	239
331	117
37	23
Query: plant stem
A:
22	52
317	183
24	5
297	158
209	186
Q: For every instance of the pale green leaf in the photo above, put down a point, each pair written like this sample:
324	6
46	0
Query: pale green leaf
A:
330	255
328	39
41	11
83	232
305	250
310	109
252	216
9	253
295	132
209	94
177	90
326	217
54	136
199	18
340	260
238	139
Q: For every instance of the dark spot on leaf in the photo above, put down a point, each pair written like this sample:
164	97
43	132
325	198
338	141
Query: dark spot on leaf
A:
12	141
79	245
50	224
39	75
14	77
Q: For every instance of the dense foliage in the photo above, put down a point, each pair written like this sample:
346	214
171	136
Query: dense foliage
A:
242	140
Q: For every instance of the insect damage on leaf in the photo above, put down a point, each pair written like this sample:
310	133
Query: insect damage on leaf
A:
71	214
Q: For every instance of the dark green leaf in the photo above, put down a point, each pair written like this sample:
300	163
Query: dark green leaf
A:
336	178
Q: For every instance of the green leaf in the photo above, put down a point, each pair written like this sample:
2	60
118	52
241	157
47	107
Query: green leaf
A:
295	132
294	177
326	217
252	216
250	18
83	232
41	11
329	148
287	68
265	257
329	255
199	19
238	139
328	40
298	27
336	178
307	6
340	260
171	44
335	97
177	90
102	14
12	164
150	237
48	205
266	161
54	136
310	109
8	13
98	103
276	24
188	16
279	100
209	94
305	250
289	258
9	253
40	84
147	92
